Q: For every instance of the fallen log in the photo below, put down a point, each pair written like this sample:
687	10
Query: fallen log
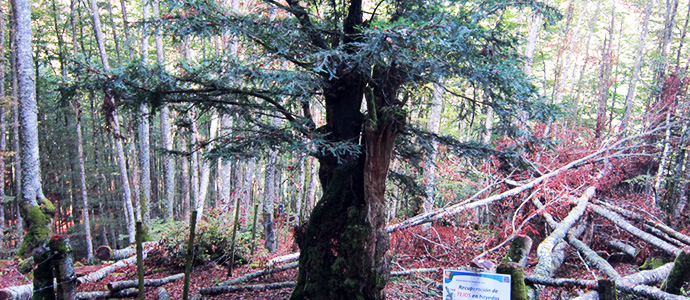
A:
128	293
106	253
162	294
218	290
622	223
638	290
647	277
283	259
663	236
125	284
545	266
623	247
655	223
260	273
413	271
20	292
101	273
441	213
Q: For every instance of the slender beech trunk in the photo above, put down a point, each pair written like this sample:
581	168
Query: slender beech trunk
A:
195	149
15	132
592	26
166	131
682	38
604	78
270	196
144	129
636	68
114	31
666	35
111	110
3	137
35	208
205	165
186	189
247	185
226	164
82	182
563	55
433	126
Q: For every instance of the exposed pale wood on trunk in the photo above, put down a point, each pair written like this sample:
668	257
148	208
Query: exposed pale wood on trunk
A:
655	223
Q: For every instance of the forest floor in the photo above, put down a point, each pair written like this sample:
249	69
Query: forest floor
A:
449	247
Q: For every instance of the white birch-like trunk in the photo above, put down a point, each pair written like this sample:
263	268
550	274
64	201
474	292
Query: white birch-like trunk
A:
3	137
226	164
28	111
144	129
194	141
117	136
82	182
166	132
205	165
15	136
430	163
247	185
269	199
664	159
636	69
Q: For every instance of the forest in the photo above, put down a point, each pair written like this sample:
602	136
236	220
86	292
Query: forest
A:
343	149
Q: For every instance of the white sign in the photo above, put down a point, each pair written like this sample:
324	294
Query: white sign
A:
461	285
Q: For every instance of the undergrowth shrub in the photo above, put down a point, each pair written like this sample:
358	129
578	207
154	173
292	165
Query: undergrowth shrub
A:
212	243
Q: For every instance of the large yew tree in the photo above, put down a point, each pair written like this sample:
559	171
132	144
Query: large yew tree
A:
364	62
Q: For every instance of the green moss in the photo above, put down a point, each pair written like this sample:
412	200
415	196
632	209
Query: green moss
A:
679	275
47	207
652	263
25	265
517	282
58	244
38	229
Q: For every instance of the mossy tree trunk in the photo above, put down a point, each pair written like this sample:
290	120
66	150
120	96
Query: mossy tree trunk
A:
344	244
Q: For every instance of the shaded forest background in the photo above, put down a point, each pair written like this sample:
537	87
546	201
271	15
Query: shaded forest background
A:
606	71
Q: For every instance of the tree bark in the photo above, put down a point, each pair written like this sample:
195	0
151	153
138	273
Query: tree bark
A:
433	126
544	251
82	182
259	273
115	126
636	68
219	290
604	77
620	222
3	137
15	129
126	284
